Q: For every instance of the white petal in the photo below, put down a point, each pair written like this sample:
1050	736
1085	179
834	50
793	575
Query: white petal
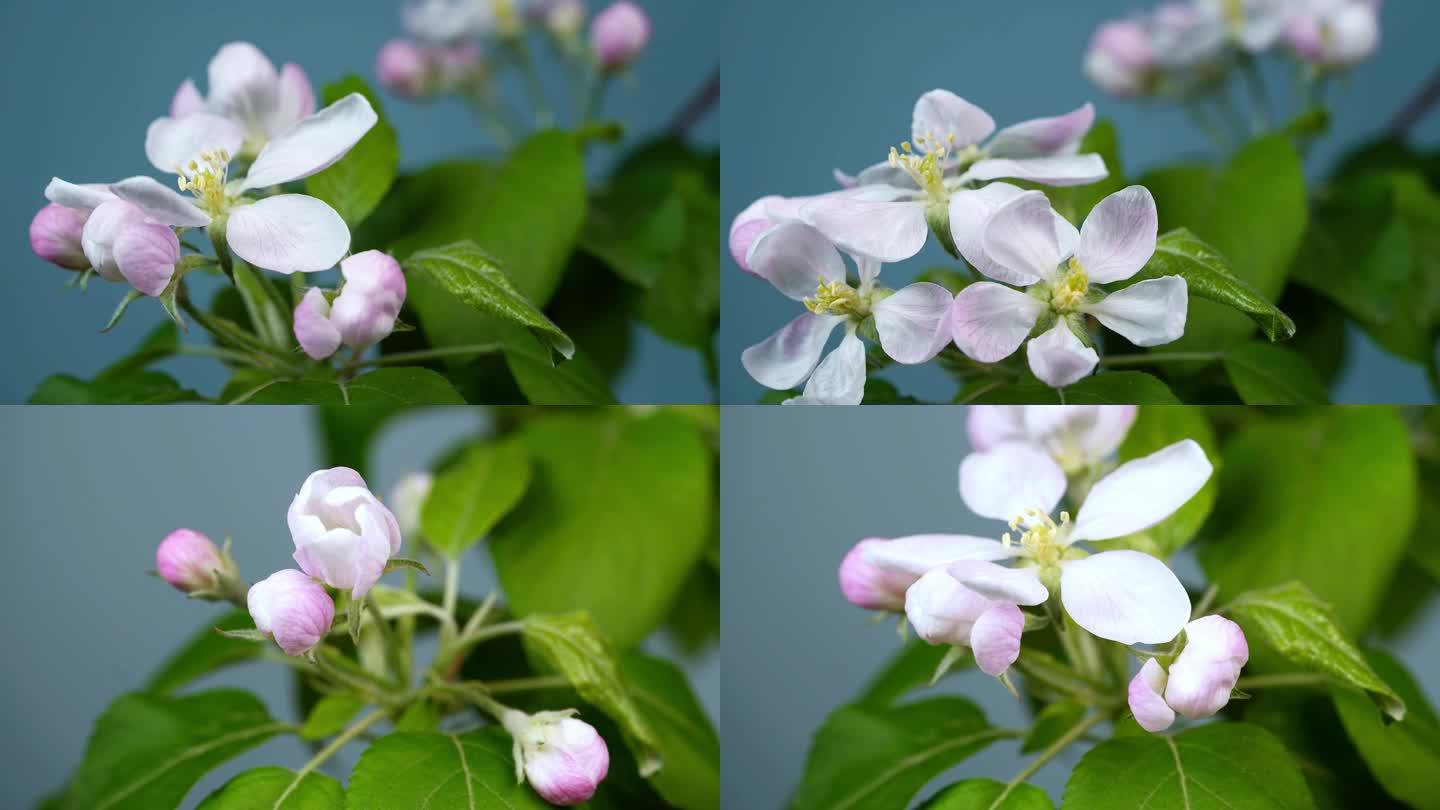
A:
879	225
1002	483
1058	357
786	358
1083	434
995	638
243	83
146	256
1041	137
1147	313
296	98
1061	170
288	233
1206	670
172	143
1021	586
1118	237
914	322
81	197
105	225
1150	709
991	320
840	379
797	259
955	123
314	144
161	204
969	212
1022	237
941	610
919	553
989	425
1142	492
1124	596
187	100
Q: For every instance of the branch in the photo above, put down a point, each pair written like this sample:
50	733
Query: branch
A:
705	97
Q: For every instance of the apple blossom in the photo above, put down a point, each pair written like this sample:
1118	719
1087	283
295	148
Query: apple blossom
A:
103	218
618	34
1254	24
911	323
55	236
407	500
1076	436
447	21
889	212
190	561
246	88
1334	33
293	609
404	68
876	572
1027	244
1200	679
361	315
343	535
1120	59
562	757
944	610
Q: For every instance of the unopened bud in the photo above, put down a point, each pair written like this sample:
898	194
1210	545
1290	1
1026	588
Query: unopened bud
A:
618	34
293	609
55	236
562	757
190	561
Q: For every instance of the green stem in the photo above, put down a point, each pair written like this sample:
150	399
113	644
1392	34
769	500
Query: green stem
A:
1065	683
1206	123
1156	358
272	324
1206	601
400	358
528	684
478	617
1048	754
340	741
594	97
1284	679
1257	93
450	598
232	355
544	117
393	661
467	640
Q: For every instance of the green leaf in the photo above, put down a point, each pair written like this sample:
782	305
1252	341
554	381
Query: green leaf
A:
1273	375
640	489
1051	724
207	651
416	769
878	758
421	716
1303	629
909	669
573	645
694	619
358	182
331	715
470	496
147	751
1108	388
1208	275
349	433
575	382
386	386
1221	765
137	387
1290	509
263	787
467	273
1405	757
1157	427
981	794
1307	723
686	739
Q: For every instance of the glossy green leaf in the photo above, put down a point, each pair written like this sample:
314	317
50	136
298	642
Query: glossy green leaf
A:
470	496
616	497
684	734
985	794
1405	757
358	181
1157	427
1212	767
1208	275
386	386
473	771
1273	375
1108	388
205	652
265	787
878	758
331	715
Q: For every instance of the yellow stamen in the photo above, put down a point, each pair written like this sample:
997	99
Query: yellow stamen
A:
837	298
1070	293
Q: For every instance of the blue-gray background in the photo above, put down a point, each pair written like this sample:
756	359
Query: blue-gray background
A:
811	90
84	79
88	493
799	486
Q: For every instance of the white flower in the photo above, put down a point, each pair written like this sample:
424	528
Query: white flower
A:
246	88
1076	436
912	323
343	535
1254	24
1334	33
1027	244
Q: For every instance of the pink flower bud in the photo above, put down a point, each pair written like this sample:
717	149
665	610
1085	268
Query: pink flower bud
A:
292	608
563	758
871	586
104	227
1206	670
317	336
407	500
188	560
618	34
55	236
1120	57
368	304
1146	688
404	68
343	535
1340	35
146	255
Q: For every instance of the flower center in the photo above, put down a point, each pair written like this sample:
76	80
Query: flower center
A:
927	166
1235	14
1039	535
838	298
205	178
1069	294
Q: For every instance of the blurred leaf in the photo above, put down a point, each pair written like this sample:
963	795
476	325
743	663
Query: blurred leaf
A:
694	618
982	794
1405	757
349	433
575	382
470	496
358	181
1273	375
686	738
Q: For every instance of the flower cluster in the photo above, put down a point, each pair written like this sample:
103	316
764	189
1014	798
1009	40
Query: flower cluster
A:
1180	47
971	592
942	181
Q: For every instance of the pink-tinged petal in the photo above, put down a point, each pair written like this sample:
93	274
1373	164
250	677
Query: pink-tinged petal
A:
104	226
1021	586
243	82
55	234
292	608
1140	493
1003	482
187	100
874	221
747	228
317	336
941	610
146	256
1124	596
914	322
1021	236
405	68
1120	57
171	144
989	425
297	97
369	303
1150	709
1083	433
786	358
189	560
840	377
969	213
990	321
918	553
618	34
81	197
797	259
1043	137
870	585
942	118
288	233
1148	313
312	145
1118	237
1058	358
1306	37
160	203
1206	670
1060	170
567	763
995	638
